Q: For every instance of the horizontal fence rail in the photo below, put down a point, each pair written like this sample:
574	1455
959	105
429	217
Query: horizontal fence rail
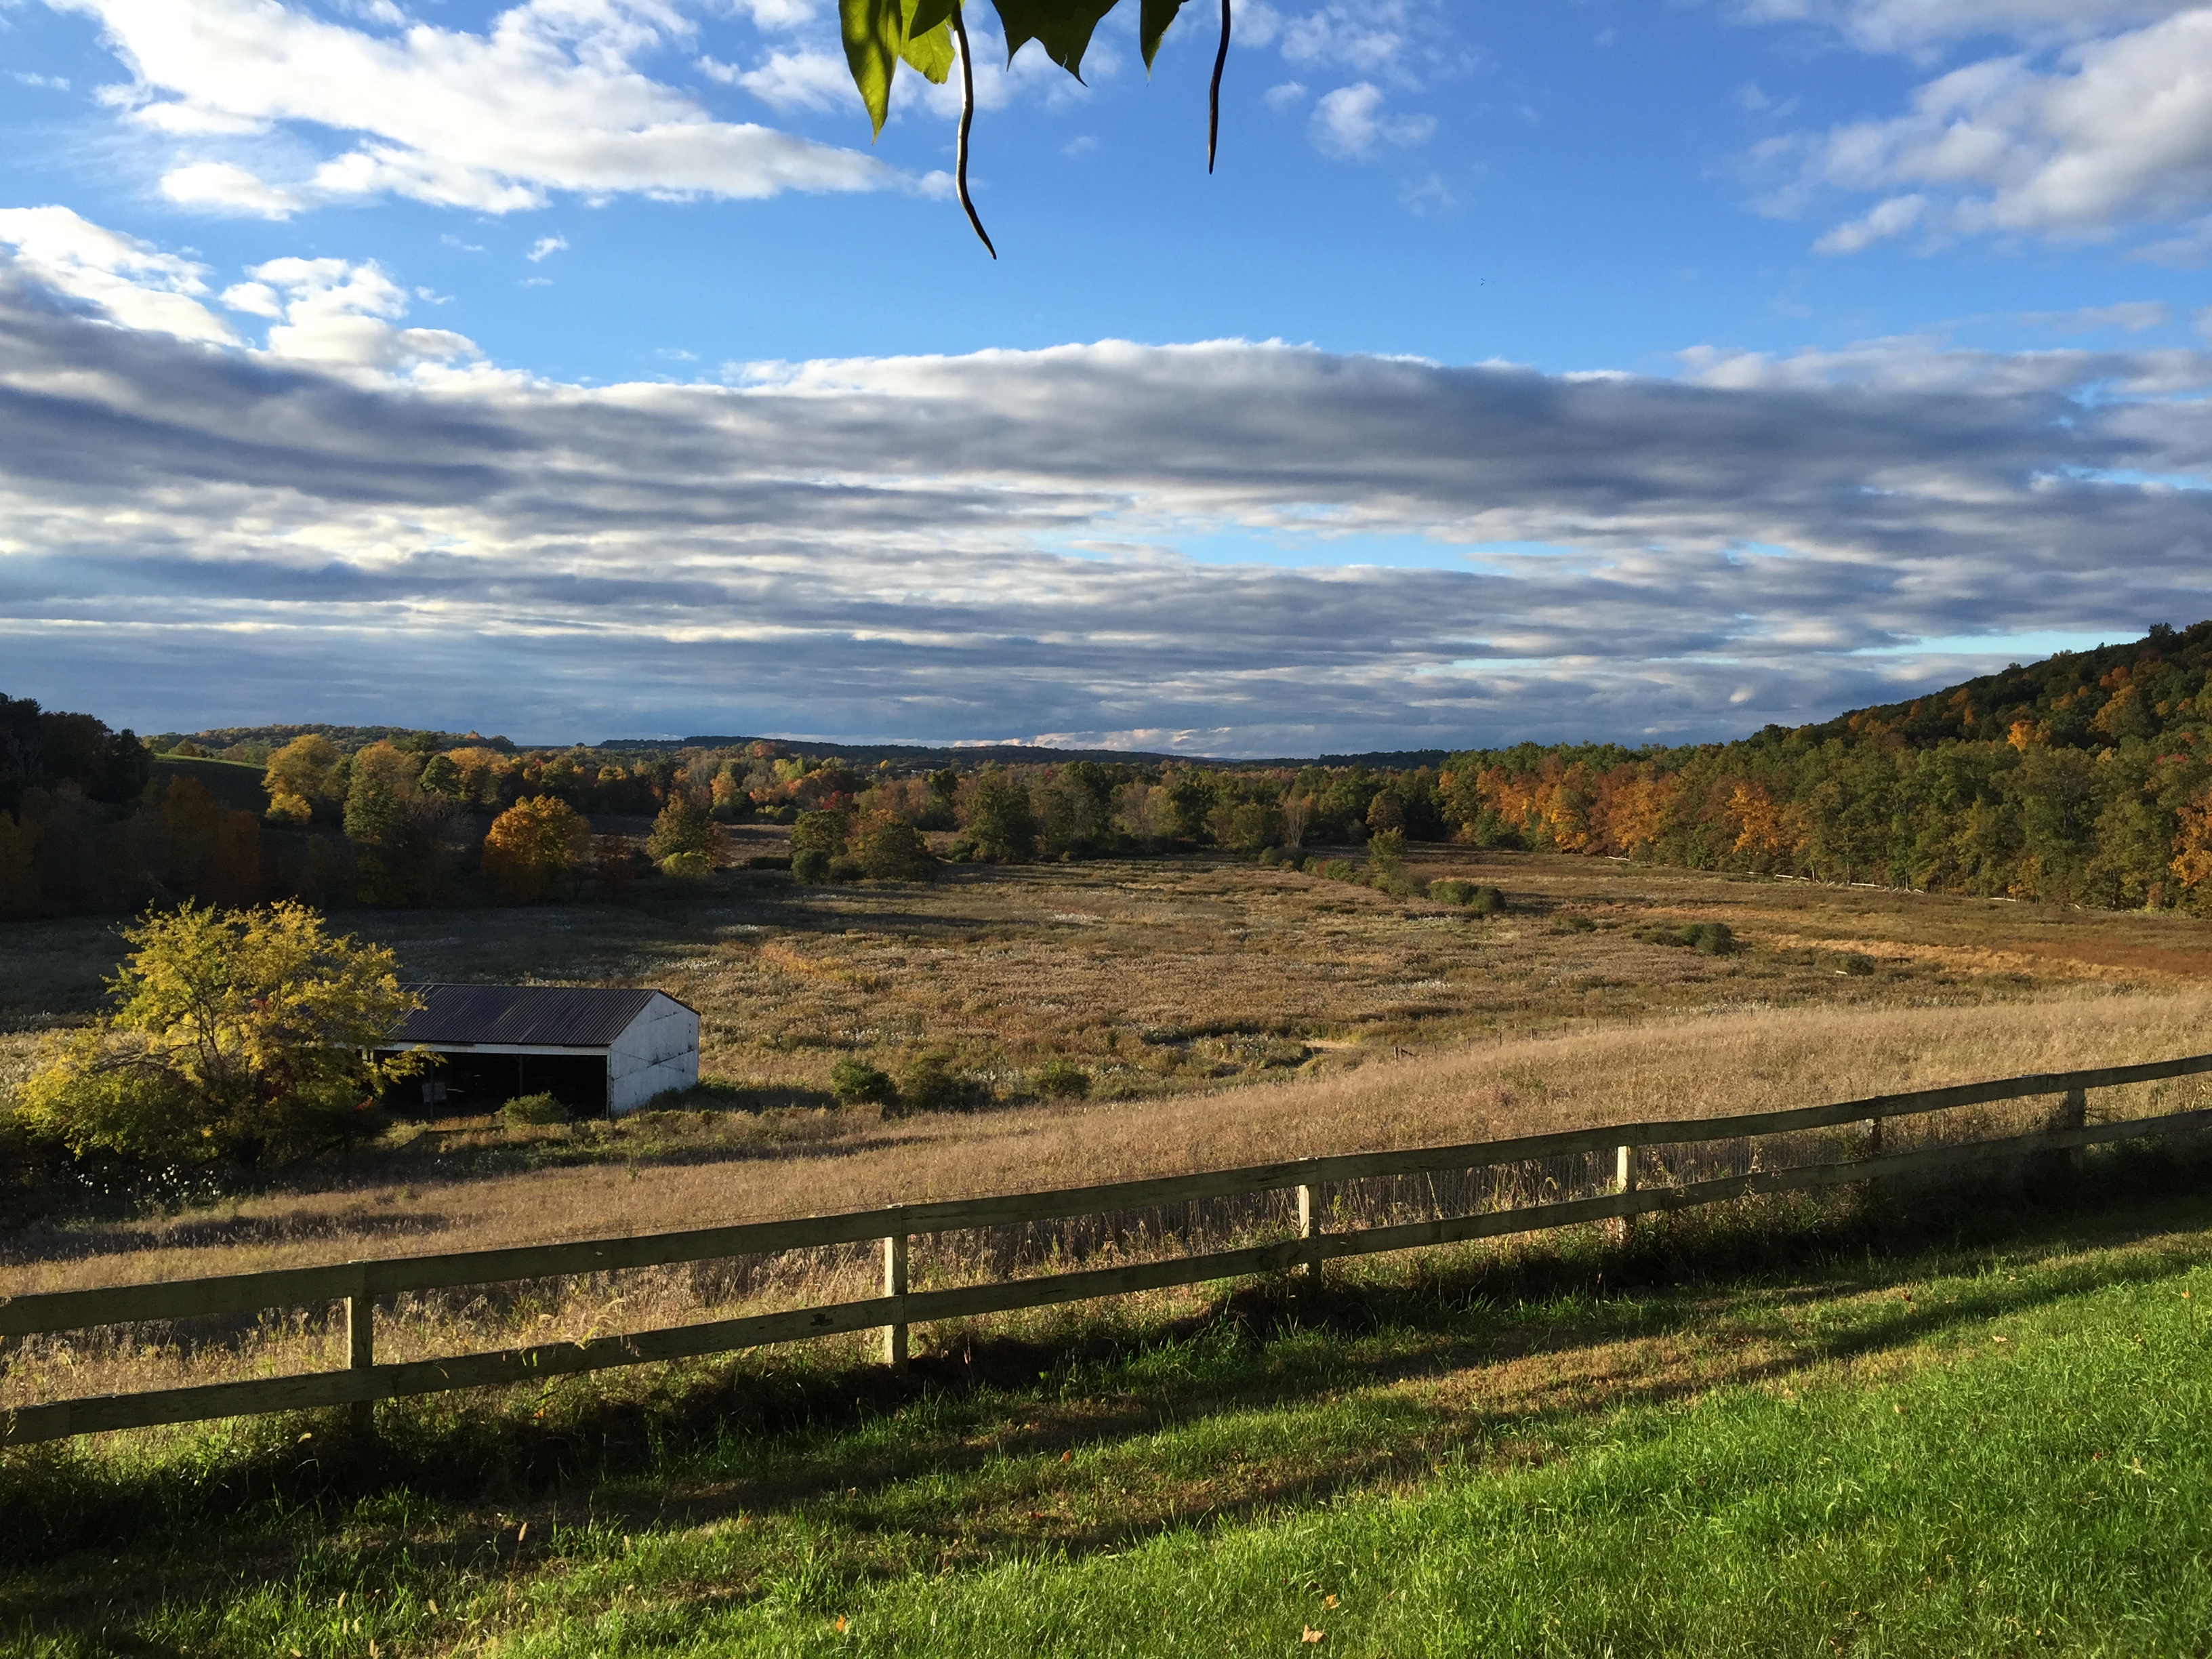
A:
358	1285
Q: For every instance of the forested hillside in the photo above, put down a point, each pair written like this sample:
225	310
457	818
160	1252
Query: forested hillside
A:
2086	778
2083	779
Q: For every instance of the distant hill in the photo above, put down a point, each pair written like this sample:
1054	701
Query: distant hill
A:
2085	778
1020	754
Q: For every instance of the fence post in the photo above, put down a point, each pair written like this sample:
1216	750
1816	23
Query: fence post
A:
1873	1137
361	1352
894	1285
1624	1181
1309	1230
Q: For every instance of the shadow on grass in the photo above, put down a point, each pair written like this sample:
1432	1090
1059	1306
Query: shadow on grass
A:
866	1455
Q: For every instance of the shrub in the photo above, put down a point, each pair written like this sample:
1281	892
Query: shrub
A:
534	1108
811	866
856	1081
932	1085
1488	902
891	849
1708	939
1386	850
1573	923
1858	963
688	866
1063	1079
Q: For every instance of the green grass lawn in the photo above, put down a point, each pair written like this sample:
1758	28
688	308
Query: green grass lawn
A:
1992	1435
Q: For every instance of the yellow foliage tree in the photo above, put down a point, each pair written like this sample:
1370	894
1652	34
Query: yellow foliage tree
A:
532	847
244	1034
2192	847
299	779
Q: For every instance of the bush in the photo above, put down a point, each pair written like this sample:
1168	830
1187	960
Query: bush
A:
1708	939
534	1108
688	866
932	1085
1857	964
856	1082
811	866
1573	923
891	849
1483	900
1062	1078
1386	850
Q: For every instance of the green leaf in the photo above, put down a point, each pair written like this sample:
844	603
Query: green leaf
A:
875	34
1063	27
923	15
931	52
1158	13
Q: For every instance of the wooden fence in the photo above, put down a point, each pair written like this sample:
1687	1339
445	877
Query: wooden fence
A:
359	1285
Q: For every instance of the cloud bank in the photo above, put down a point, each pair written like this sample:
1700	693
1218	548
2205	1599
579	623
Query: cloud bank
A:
348	523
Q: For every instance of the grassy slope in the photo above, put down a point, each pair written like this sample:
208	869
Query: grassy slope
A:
1992	1447
236	784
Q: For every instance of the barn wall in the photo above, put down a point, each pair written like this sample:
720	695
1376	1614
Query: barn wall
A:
656	1052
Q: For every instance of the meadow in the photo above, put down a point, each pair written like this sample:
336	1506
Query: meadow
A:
1415	1439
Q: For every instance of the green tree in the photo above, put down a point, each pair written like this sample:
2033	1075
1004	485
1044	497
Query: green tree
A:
685	826
241	1034
1000	827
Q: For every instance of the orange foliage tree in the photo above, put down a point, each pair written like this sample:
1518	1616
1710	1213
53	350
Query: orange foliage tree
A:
533	848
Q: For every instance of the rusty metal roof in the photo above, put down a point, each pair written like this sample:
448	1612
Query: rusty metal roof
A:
556	1016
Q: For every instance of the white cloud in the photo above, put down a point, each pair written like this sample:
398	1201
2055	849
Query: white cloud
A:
1915	25
341	313
803	79
257	299
2133	316
226	188
2105	133
1284	98
1349	122
545	247
1886	219
129	281
549	99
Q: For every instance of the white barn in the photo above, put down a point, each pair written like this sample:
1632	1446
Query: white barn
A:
596	1051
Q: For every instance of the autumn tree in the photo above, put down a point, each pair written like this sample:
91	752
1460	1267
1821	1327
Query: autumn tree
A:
533	848
685	837
240	1034
300	778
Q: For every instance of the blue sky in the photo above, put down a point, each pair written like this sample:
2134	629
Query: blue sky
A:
1768	356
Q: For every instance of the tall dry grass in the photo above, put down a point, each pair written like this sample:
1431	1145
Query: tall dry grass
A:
1747	1060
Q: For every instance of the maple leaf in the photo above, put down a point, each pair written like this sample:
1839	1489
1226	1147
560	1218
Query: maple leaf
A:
1313	1635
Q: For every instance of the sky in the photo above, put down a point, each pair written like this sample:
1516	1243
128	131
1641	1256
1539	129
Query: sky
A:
581	370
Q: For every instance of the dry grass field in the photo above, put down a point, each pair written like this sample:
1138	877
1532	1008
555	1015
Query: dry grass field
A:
1230	1014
